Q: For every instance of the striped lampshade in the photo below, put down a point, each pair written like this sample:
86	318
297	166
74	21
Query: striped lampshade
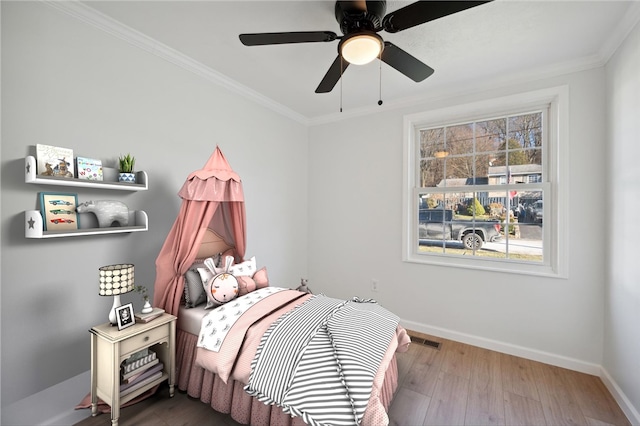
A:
116	279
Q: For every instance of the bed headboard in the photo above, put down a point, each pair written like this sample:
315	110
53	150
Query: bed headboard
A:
212	244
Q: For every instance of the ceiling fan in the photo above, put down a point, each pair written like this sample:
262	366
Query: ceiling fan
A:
360	21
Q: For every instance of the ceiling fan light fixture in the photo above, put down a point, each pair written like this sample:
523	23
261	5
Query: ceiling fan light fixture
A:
361	48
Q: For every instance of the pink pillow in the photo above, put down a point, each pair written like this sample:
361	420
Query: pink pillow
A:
245	285
260	277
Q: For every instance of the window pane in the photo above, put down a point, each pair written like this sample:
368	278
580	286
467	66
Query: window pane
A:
459	139
431	142
482	162
490	135
516	157
460	170
526	130
432	172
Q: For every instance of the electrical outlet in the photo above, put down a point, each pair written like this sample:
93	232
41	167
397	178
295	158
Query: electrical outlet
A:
374	285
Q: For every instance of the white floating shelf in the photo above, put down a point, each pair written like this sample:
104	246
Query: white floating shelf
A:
34	227
32	177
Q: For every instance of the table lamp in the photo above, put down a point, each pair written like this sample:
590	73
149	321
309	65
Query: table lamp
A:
114	281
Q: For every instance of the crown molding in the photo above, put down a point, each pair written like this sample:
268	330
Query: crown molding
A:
621	32
119	30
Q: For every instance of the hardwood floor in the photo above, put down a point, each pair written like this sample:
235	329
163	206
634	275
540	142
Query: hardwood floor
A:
456	384
466	385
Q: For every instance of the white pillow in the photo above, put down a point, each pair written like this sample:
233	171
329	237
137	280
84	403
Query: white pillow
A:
205	275
244	269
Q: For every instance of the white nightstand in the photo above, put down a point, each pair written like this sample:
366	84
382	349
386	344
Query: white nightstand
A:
109	347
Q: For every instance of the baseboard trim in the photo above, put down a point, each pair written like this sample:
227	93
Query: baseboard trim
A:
55	405
507	348
535	355
627	407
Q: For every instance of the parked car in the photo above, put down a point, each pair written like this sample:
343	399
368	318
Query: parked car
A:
537	211
439	224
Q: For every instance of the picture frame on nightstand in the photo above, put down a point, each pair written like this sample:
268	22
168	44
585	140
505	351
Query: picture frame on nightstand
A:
125	316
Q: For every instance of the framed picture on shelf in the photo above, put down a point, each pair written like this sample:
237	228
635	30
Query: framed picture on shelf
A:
125	316
54	161
59	211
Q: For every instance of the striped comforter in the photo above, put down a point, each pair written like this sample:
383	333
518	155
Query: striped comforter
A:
319	360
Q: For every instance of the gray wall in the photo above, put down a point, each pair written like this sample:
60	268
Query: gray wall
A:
65	83
510	312
356	236
622	314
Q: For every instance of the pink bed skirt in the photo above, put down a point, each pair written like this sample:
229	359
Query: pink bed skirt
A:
232	399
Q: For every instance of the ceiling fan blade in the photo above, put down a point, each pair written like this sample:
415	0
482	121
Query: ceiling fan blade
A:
333	75
405	63
424	11
261	39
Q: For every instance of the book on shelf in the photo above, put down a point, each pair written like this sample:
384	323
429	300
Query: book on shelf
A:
155	313
148	372
138	385
139	370
137	355
89	168
137	361
54	161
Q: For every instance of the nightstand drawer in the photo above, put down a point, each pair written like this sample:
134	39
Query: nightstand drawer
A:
142	340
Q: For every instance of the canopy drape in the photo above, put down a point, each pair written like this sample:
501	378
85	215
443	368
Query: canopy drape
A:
212	198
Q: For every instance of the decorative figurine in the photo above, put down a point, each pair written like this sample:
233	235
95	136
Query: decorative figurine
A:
303	286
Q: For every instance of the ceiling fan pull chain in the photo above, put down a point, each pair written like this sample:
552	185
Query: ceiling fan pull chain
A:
380	79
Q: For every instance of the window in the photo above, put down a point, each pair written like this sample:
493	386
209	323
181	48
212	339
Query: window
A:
482	185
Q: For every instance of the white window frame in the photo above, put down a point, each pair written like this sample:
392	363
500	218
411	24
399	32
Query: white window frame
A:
555	166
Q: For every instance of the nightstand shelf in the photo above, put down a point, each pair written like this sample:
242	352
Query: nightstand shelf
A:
110	347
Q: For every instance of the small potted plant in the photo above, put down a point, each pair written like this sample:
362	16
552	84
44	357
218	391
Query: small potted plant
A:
143	291
126	163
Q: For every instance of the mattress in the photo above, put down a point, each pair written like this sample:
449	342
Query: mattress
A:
190	319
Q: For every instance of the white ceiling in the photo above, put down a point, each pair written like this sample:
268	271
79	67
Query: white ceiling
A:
494	43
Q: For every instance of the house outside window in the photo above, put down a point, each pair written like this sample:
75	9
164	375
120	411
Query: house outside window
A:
482	185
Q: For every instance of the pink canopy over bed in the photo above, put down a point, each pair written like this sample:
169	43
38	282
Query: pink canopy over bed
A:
212	200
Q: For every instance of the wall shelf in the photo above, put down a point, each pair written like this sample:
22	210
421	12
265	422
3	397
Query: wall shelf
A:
33	226
32	177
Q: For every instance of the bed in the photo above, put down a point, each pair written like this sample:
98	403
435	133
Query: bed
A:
235	374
